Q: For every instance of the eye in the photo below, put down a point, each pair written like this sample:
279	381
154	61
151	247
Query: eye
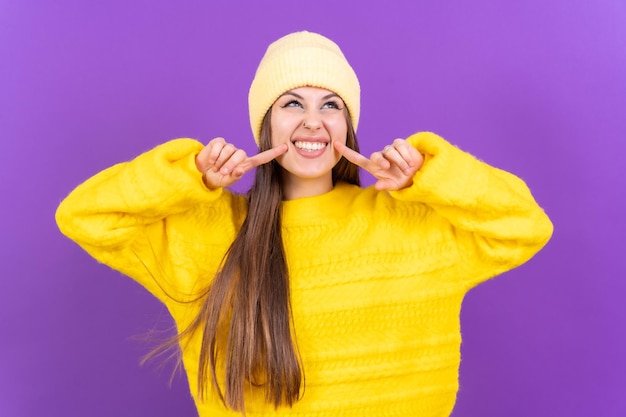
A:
331	105
292	103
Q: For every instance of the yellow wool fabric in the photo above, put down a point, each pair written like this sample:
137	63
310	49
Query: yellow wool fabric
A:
377	278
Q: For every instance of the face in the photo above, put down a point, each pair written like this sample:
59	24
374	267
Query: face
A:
308	120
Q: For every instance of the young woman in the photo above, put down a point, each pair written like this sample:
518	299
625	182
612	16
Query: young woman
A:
310	296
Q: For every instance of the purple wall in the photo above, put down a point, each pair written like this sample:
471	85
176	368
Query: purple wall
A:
535	87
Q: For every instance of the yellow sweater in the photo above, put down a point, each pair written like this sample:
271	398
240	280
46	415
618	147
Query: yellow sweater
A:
377	278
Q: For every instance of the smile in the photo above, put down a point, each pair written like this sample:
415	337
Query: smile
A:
310	146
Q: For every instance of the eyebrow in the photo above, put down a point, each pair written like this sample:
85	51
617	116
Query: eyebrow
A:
291	93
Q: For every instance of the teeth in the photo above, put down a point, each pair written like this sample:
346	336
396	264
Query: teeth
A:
310	146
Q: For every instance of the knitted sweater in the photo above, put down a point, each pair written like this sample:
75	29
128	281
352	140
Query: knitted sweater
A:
377	278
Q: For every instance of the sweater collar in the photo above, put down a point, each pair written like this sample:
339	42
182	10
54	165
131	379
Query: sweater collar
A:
319	208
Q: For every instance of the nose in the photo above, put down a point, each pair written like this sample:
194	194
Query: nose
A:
312	120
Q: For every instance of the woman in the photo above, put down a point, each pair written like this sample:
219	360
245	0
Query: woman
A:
311	296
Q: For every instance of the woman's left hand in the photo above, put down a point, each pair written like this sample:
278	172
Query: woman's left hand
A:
393	167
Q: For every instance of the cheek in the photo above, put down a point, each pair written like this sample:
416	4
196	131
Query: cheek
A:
276	134
339	131
281	131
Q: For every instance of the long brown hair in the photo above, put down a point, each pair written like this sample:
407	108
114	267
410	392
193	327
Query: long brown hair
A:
245	317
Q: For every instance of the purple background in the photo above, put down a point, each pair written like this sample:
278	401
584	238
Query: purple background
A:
535	87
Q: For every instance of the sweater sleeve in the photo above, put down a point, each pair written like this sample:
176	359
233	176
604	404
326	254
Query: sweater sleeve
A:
495	220
134	217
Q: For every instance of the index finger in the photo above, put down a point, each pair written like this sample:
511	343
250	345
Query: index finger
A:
353	156
266	156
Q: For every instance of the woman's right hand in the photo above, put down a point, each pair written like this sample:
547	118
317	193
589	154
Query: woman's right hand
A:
222	164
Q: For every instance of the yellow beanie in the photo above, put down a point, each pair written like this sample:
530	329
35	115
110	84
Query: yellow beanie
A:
297	60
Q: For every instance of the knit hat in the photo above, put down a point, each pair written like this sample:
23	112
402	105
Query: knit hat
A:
297	60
